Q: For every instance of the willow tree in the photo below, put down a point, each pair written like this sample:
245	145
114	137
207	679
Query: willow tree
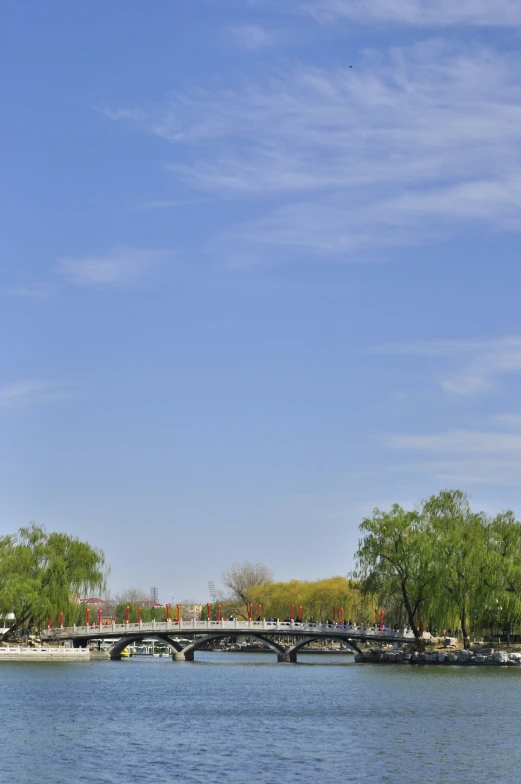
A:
504	576
395	561
318	598
40	572
462	558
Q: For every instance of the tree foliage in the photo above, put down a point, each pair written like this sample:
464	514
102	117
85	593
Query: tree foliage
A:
443	564
319	599
395	561
41	572
148	614
240	579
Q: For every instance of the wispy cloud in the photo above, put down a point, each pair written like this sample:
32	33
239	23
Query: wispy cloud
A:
163	204
255	38
464	469
479	457
120	114
478	362
23	393
37	293
121	267
471	441
411	145
419	13
404	148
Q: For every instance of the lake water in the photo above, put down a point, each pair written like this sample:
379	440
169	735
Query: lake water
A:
243	718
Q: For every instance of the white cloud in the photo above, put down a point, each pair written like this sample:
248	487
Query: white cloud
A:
509	421
479	362
420	13
406	147
255	38
38	293
29	392
480	457
464	470
121	267
120	114
162	204
457	441
409	146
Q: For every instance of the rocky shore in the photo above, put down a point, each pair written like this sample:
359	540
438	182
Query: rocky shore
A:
473	656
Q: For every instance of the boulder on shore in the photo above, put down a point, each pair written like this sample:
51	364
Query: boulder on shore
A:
466	657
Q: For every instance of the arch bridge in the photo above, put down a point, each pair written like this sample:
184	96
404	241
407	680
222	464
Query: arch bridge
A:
273	634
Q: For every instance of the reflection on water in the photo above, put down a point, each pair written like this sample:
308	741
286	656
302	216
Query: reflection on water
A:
244	718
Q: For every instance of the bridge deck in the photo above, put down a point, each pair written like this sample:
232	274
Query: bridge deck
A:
232	628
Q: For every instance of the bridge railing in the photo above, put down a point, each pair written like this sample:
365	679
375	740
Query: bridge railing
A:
274	627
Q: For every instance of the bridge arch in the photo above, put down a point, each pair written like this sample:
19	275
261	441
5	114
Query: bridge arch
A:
301	643
119	646
200	641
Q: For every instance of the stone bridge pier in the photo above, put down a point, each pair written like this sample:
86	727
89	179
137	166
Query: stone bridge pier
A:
181	656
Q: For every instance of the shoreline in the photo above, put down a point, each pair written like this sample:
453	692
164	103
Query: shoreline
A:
466	658
44	653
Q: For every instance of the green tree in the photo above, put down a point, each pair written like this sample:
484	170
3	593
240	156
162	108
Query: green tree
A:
461	558
395	560
40	572
317	597
148	614
504	574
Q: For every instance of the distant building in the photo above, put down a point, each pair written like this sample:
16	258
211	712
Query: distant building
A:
92	601
192	612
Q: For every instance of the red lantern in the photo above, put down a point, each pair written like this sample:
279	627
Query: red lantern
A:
300	611
167	612
87	615
382	616
178	613
341	615
61	620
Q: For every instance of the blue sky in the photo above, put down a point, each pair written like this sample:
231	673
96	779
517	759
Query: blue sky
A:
249	292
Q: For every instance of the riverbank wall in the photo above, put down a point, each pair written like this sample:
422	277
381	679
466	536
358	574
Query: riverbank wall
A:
44	653
477	656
